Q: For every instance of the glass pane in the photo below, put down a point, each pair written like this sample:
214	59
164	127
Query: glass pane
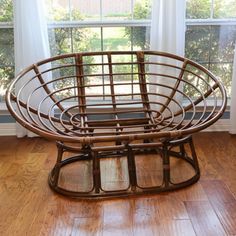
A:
200	9
224	72
223	40
6	75
196	78
6	58
116	10
197	45
58	10
6	10
86	39
85	9
224	8
116	38
141	9
213	47
60	40
140	37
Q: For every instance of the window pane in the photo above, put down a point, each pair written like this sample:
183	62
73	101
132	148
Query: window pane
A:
213	47
142	9
86	39
6	58
223	40
140	37
85	9
116	10
197	45
198	82
60	40
199	9
116	38
224	72
58	10
6	10
224	8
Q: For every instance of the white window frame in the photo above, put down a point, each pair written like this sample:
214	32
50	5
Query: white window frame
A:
86	24
212	22
123	23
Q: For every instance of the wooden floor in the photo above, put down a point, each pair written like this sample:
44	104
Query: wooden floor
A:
29	207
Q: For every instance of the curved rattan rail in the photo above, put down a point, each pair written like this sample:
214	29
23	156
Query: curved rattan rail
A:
156	99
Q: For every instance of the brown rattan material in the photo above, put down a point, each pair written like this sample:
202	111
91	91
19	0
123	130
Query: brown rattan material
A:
127	102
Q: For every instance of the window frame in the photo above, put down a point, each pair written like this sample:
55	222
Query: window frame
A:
3	107
213	22
123	23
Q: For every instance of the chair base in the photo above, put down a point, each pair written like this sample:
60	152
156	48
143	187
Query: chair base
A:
95	154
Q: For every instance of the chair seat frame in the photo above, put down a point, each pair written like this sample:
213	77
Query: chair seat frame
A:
151	127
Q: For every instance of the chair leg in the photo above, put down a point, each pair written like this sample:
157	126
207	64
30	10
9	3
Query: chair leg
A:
166	165
56	169
96	172
131	169
182	149
194	156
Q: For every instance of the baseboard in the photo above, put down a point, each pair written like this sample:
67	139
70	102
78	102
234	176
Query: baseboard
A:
7	129
222	125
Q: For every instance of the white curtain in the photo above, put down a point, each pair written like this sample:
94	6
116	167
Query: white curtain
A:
167	35
30	39
233	99
168	26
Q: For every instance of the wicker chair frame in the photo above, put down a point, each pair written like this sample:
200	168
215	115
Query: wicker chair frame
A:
128	102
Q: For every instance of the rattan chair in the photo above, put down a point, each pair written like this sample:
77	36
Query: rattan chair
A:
106	105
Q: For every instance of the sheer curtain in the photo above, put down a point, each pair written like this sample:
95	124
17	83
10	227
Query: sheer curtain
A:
30	39
168	26
167	35
233	99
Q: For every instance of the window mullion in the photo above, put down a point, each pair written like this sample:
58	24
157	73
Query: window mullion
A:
121	23
70	13
6	25
101	11
132	9
212	9
211	22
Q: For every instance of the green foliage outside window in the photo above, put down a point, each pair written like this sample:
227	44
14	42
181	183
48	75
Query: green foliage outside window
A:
139	35
6	45
210	45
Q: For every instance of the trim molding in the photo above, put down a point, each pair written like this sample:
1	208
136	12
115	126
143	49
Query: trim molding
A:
222	125
7	129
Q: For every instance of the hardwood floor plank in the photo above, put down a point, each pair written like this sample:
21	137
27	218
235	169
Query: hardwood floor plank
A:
205	221
192	193
87	226
146	219
223	203
117	219
29	207
17	189
45	221
217	192
227	215
176	228
170	207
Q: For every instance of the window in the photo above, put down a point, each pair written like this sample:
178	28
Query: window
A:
211	35
91	25
99	25
6	45
95	25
